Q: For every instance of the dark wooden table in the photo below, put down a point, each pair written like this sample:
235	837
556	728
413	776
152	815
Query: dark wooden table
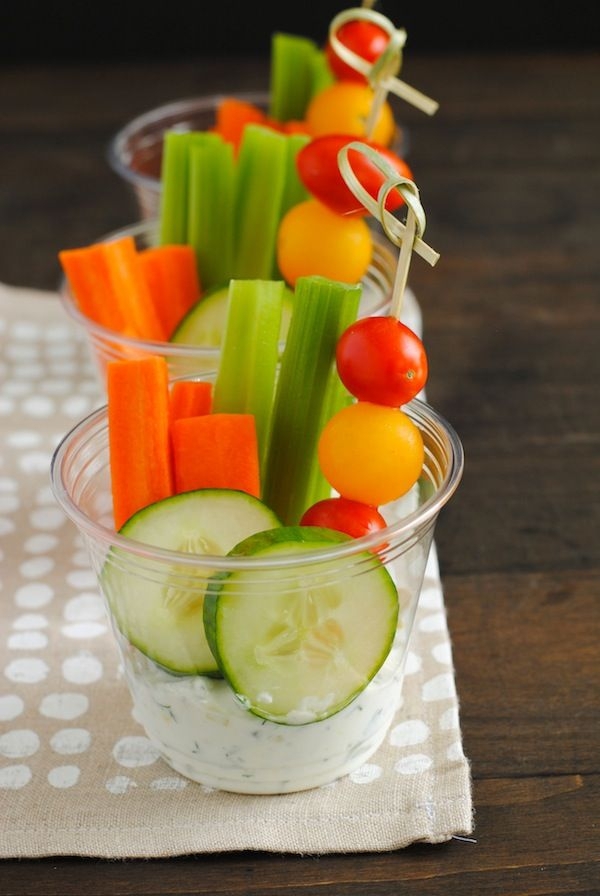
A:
509	172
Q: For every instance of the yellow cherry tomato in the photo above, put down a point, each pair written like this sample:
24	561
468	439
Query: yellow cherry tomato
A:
344	107
371	453
314	240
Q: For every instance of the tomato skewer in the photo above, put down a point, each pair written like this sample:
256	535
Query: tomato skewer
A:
370	451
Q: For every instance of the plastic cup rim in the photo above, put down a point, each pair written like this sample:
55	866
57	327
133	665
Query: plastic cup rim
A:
201	103
175	350
398	531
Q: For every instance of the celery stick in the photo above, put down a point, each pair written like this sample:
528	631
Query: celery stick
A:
210	208
294	190
317	487
308	393
322	76
291	76
174	182
247	371
260	184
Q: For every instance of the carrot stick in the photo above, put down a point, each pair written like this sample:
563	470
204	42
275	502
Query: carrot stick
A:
296	127
190	398
216	451
138	434
131	295
172	276
87	275
232	116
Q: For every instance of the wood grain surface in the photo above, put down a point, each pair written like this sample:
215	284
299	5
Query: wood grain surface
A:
509	173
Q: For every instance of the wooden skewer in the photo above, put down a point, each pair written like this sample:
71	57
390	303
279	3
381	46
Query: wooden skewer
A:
404	259
382	74
408	235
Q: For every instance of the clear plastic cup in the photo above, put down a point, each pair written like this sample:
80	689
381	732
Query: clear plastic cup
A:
135	151
201	726
187	360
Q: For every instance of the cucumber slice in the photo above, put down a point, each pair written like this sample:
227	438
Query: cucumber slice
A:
297	644
157	607
204	324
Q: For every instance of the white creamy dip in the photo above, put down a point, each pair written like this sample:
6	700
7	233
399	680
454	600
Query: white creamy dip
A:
204	731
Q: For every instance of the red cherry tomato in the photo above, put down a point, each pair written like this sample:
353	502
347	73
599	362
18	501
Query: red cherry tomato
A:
380	359
365	39
352	517
319	172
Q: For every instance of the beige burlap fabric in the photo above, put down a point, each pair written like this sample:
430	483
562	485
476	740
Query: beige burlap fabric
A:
77	774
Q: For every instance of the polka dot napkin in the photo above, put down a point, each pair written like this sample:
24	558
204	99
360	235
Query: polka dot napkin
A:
77	774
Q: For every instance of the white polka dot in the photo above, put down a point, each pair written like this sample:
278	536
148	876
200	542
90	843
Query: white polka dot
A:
38	405
439	688
6	526
33	596
63	368
13	777
168	784
83	668
408	733
63	776
40	544
30	620
57	333
71	740
34	462
11	706
56	387
90	387
60	350
8	485
85	607
17	388
119	784
25	330
45	496
80	631
81	558
442	653
76	406
9	503
47	518
19	744
455	752
412	663
449	719
436	622
64	706
82	578
23	438
413	765
27	671
366	774
431	596
21	351
34	569
133	752
7	405
27	641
